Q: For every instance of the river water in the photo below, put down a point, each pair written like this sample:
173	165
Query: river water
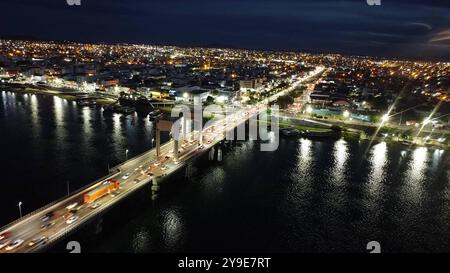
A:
307	196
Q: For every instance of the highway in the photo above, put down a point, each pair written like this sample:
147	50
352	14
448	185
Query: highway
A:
51	223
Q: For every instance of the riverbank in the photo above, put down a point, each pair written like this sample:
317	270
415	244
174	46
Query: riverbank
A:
324	127
63	95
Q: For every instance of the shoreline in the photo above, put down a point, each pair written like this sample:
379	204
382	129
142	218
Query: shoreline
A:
349	133
69	97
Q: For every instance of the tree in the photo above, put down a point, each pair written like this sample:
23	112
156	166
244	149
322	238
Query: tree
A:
285	101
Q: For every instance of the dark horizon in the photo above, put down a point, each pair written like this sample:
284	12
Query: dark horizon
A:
403	30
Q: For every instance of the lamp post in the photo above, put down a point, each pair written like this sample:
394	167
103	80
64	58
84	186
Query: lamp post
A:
20	208
126	154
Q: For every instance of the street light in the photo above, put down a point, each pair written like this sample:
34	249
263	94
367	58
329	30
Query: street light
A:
309	109
346	114
126	154
385	118
20	208
426	121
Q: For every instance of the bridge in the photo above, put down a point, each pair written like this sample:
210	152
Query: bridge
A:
42	228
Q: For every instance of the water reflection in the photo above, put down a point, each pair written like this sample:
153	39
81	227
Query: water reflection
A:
35	122
378	164
86	118
304	155
436	159
214	183
340	157
117	127
415	175
302	175
172	228
141	240
59	115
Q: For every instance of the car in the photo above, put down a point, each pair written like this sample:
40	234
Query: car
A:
95	205
71	206
4	243
137	180
114	194
14	244
156	163
5	235
38	241
45	218
72	220
149	174
163	167
126	176
47	225
201	147
136	169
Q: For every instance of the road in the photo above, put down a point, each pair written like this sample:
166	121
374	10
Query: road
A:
132	175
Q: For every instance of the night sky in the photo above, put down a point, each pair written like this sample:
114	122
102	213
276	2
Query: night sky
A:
398	28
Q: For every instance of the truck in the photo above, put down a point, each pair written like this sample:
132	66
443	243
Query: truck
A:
106	188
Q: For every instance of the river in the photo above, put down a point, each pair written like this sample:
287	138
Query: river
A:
307	196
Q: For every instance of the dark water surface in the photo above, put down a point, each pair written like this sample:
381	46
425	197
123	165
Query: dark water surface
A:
308	196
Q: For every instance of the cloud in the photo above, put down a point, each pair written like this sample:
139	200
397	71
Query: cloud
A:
440	36
426	26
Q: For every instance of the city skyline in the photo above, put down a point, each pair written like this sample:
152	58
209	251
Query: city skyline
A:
404	29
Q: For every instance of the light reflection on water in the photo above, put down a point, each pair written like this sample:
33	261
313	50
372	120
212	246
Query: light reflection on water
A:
59	109
340	157
304	156
415	175
378	163
141	241
172	229
35	124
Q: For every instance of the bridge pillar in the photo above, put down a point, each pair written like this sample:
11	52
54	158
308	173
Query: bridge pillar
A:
188	171
155	188
211	153
219	154
98	228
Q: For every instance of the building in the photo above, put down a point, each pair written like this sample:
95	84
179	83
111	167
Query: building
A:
321	98
251	85
192	94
